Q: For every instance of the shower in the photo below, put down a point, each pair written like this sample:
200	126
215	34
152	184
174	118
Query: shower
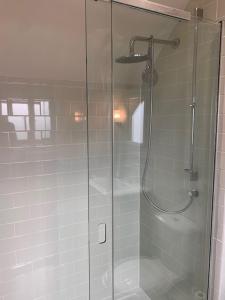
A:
137	57
158	201
150	77
134	57
108	114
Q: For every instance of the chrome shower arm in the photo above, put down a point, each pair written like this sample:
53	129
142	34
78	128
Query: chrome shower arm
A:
138	39
173	43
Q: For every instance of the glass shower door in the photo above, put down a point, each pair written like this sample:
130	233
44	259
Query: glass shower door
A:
165	82
98	25
43	152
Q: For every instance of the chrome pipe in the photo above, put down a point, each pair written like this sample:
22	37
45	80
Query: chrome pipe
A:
174	43
193	193
193	173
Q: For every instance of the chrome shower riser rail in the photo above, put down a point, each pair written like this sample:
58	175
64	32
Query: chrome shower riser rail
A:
156	8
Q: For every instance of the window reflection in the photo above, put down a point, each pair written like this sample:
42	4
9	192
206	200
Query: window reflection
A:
41	107
20	109
27	118
4	108
137	124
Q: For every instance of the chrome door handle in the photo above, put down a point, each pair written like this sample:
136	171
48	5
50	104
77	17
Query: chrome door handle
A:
101	233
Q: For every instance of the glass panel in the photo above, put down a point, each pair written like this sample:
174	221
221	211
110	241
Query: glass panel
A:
43	152
164	98
98	18
205	129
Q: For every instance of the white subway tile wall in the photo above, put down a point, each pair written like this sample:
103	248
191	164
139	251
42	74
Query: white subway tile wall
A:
43	151
171	132
43	191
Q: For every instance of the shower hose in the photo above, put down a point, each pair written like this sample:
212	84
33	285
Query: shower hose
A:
147	160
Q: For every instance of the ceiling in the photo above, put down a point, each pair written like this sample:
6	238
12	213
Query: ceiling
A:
45	39
127	23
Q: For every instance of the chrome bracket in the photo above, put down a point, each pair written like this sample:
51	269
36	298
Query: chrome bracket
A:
193	174
193	193
199	13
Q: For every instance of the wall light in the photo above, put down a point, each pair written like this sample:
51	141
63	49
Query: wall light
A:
119	115
79	117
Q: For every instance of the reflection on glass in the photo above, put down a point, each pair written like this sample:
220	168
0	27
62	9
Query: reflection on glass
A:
19	108
138	123
4	108
43	194
27	115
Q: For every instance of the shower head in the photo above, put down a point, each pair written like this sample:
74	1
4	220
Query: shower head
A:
135	58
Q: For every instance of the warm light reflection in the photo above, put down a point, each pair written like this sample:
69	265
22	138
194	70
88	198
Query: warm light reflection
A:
79	117
119	115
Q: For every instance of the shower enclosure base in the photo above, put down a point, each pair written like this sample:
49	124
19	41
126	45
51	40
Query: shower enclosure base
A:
136	294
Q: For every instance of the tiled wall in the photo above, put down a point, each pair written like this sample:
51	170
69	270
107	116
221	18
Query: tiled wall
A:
43	152
43	170
171	125
43	197
170	146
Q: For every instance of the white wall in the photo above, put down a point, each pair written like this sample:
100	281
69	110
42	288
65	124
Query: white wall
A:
44	39
43	151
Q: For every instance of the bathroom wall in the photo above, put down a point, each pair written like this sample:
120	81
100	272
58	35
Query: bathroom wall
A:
43	152
44	208
171	125
127	97
43	168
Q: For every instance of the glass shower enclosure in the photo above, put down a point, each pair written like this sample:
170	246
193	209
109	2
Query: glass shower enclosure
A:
152	82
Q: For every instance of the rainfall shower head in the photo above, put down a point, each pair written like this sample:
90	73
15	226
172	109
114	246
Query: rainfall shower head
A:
131	59
149	74
138	58
134	57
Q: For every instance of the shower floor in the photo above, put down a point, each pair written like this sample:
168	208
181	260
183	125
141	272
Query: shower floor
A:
137	294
